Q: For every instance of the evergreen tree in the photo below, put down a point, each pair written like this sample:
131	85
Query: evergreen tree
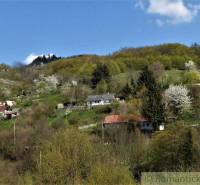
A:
100	73
126	91
153	107
102	87
133	88
146	78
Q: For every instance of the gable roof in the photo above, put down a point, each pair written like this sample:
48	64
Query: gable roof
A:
115	119
103	97
138	118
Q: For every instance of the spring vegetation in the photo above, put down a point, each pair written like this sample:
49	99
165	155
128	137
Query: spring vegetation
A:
43	145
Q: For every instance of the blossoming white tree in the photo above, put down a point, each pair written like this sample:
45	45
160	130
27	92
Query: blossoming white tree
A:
177	98
190	65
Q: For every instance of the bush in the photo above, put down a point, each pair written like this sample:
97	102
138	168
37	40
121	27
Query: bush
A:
66	159
106	109
172	150
11	150
73	118
191	77
112	175
59	123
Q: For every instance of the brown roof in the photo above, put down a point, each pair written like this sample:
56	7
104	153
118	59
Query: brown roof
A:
115	119
2	108
138	118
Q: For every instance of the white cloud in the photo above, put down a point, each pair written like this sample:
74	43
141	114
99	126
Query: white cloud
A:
172	11
30	58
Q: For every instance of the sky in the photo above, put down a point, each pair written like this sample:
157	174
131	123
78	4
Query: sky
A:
71	27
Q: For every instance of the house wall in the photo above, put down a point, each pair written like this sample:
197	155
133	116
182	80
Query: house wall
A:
98	103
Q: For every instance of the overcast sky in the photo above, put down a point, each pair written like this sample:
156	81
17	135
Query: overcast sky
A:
67	27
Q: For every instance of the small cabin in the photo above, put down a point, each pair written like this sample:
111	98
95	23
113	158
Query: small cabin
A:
115	128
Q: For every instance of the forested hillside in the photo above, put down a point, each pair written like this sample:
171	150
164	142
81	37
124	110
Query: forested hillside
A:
100	120
172	56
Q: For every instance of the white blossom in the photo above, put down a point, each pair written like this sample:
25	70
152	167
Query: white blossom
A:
190	65
177	97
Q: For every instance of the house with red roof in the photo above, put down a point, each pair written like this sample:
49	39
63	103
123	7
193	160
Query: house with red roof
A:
140	122
114	128
120	128
115	120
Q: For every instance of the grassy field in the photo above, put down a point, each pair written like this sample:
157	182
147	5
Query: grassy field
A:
173	76
6	124
86	117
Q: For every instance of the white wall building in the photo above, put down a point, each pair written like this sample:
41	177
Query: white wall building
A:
104	99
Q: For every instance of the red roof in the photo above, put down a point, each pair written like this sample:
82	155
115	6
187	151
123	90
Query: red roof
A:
2	108
115	119
138	118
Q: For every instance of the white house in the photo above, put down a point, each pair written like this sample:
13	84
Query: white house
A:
103	99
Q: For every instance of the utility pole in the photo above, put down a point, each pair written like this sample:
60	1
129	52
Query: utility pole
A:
40	160
102	131
14	134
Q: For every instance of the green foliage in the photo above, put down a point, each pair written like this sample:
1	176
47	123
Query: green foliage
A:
99	74
66	159
126	91
112	175
105	109
80	117
195	94
129	90
191	77
48	152
58	121
153	107
171	150
172	77
102	87
68	67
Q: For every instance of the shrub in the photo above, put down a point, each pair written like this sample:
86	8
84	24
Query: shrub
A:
176	149
73	118
106	109
172	150
112	175
66	159
191	77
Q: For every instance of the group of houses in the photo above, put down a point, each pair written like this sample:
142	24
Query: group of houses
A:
7	110
111	122
114	121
